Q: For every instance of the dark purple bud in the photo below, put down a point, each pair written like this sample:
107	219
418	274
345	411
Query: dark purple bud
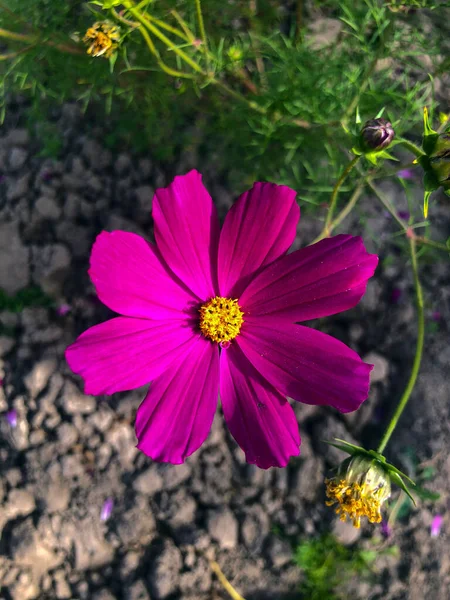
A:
404	214
436	525
11	417
436	316
376	134
107	509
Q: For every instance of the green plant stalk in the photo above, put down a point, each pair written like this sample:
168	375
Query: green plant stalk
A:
334	195
419	351
157	33
161	63
423	241
201	24
344	212
412	147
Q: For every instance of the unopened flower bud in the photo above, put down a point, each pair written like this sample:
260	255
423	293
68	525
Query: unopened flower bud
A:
376	135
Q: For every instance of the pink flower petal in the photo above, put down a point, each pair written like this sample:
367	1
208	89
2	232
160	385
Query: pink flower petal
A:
125	353
176	416
187	232
259	417
258	229
131	279
317	281
305	364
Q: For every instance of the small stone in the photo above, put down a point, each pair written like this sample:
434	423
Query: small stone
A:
175	475
76	237
144	196
137	591
76	403
165	573
380	369
18	187
149	482
122	164
18	137
67	436
37	379
20	504
47	208
123	440
14	263
72	466
345	533
51	266
17	158
57	498
279	552
6	344
223	527
62	587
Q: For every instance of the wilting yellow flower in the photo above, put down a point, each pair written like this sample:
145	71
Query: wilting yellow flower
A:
360	491
102	38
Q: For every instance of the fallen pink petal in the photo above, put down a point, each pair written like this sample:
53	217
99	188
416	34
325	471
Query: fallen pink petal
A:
207	308
11	417
107	509
63	309
436	525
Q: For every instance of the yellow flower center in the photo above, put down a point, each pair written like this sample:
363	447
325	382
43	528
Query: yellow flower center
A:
356	500
221	319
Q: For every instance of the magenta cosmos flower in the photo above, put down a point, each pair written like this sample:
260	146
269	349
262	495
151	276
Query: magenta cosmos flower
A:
208	311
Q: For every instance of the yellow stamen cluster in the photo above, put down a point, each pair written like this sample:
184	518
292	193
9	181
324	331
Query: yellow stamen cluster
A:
359	490
354	501
102	37
221	319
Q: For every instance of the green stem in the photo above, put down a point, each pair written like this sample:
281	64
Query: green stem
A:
201	24
157	33
334	195
427	242
412	147
419	349
387	205
341	216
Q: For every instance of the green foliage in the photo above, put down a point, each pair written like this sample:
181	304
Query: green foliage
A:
30	296
327	565
291	90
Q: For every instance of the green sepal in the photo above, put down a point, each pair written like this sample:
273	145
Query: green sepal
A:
430	136
427	129
392	469
112	62
374	157
347	447
426	199
397	480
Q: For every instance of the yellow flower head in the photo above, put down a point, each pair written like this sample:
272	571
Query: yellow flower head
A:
103	38
360	491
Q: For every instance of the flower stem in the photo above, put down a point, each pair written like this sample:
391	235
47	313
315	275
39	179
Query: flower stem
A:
334	195
224	581
419	349
344	212
412	147
201	24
